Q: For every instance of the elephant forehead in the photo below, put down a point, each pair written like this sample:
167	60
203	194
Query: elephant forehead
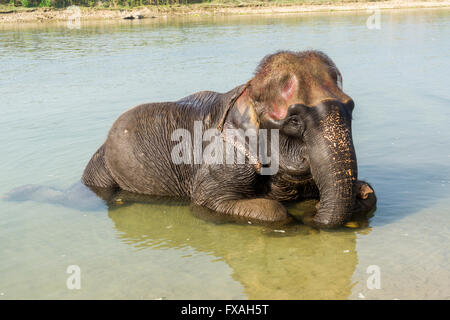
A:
314	89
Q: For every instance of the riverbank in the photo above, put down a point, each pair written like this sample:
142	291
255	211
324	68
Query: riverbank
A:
14	15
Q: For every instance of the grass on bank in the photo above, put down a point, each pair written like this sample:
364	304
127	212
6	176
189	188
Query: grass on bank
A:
30	5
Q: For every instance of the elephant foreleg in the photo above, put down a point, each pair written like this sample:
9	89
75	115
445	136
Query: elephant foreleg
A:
259	209
231	193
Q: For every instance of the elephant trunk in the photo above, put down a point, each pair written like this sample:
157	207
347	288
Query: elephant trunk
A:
334	170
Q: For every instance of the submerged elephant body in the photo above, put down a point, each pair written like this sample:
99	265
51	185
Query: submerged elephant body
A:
136	155
297	94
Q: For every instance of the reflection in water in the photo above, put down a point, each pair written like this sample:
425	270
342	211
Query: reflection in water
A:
270	261
296	262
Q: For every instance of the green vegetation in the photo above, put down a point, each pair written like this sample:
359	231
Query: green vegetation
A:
18	4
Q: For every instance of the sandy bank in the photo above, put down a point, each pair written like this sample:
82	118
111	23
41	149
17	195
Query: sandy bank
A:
46	14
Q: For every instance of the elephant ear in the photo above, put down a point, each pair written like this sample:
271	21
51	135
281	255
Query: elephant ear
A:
241	110
279	96
273	99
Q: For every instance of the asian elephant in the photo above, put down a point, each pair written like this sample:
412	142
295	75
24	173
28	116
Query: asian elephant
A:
298	95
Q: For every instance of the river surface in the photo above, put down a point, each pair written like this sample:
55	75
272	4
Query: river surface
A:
61	89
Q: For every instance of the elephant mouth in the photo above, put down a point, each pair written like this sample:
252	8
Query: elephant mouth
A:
297	178
297	168
296	172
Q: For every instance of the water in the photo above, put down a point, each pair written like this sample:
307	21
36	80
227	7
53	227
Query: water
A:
61	89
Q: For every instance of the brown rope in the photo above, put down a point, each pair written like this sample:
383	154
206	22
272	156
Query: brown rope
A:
235	143
244	150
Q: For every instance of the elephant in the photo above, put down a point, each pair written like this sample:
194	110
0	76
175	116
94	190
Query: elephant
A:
296	98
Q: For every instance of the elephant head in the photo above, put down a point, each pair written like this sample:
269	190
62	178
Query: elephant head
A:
301	95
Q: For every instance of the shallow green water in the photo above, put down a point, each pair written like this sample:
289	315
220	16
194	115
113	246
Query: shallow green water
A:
61	89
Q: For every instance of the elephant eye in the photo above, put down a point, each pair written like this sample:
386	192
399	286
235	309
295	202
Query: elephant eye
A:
293	127
294	121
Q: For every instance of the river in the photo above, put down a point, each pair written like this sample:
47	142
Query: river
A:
61	89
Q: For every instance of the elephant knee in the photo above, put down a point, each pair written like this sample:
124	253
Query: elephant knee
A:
262	209
96	173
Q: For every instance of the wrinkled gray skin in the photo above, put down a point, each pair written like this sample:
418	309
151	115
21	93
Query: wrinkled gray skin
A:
317	157
297	93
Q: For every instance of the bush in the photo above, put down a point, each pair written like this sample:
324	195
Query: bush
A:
45	3
26	3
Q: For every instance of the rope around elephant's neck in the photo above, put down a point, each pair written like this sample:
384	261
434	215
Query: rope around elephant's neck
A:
242	148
